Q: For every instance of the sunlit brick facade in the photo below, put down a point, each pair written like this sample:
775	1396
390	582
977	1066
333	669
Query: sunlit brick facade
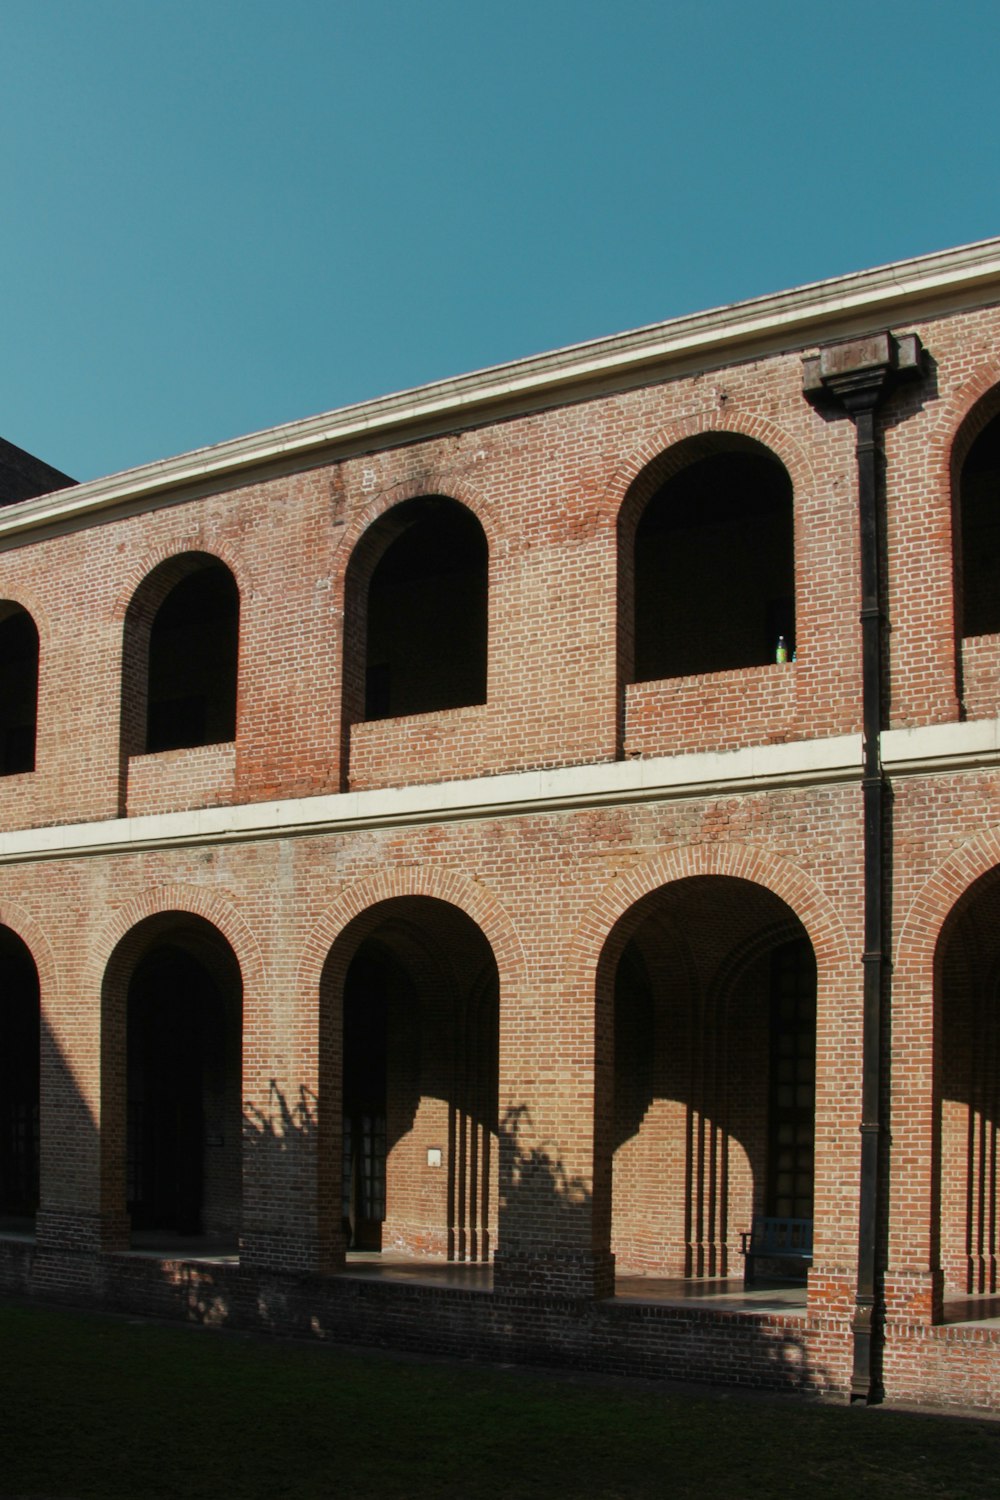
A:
436	831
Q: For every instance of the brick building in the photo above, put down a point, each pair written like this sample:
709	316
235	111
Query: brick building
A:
433	908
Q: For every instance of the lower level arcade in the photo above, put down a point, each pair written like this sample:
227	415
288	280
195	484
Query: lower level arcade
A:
415	1185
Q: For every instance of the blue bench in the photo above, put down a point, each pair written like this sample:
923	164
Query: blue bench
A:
788	1241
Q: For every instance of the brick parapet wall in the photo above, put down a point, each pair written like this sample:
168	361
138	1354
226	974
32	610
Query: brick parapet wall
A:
422	748
717	711
172	780
980	659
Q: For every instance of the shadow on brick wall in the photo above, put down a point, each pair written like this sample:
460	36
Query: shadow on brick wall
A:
273	1288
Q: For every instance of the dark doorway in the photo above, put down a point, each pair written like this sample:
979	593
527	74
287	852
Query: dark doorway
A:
366	1020
19	1077
183	1052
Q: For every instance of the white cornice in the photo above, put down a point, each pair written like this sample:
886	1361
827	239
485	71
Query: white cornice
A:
797	318
941	747
929	750
758	768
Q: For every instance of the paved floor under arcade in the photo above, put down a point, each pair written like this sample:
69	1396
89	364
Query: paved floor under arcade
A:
728	1295
723	1295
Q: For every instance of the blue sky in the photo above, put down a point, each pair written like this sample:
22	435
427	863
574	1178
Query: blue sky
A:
218	215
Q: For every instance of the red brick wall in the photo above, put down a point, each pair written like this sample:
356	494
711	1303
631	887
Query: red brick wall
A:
580	1168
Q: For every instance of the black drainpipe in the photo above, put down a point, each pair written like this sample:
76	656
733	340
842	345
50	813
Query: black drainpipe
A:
857	375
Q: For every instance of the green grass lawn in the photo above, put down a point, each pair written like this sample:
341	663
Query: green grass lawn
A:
96	1406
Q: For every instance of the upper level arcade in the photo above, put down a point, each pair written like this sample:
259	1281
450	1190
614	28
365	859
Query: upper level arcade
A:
641	549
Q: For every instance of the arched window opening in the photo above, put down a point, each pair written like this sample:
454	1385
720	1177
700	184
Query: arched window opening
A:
19	1078
193	653
426	626
979	535
713	1120
18	692
183	1091
714	567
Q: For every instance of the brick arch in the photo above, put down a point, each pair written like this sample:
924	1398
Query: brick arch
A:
192	901
13	612
665	454
964	416
27	602
924	922
322	971
107	976
959	420
431	483
788	882
32	935
704	425
601	937
918	1217
389	884
359	552
150	584
192	546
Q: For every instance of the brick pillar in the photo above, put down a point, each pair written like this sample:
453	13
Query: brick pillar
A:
555	1187
82	1207
291	1133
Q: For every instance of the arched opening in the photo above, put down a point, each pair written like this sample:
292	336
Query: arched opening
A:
977	532
18	690
712	554
19	1075
967	1053
183	1083
415	986
712	1126
417	610
179	680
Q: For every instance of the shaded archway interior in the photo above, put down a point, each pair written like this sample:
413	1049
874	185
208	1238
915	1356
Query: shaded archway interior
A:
714	573
18	690
420	1041
426	625
978	528
193	651
967	1024
712	1121
183	1084
19	1083
180	657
